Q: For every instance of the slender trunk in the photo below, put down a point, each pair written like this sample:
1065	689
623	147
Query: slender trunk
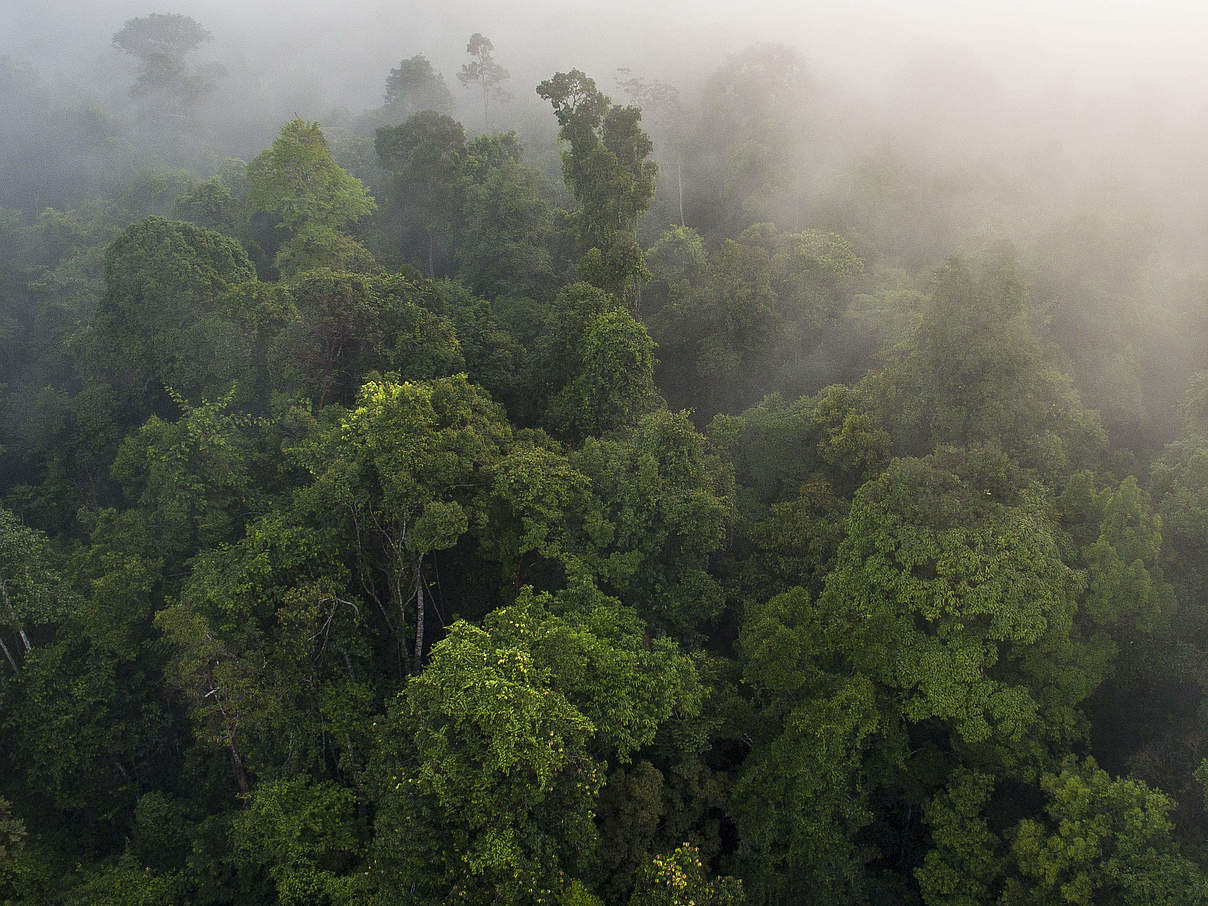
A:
485	122
419	613
12	615
237	766
8	654
679	178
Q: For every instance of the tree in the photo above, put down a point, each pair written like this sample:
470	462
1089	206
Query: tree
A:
660	506
408	467
973	371
616	383
158	323
950	592
661	101
302	834
345	326
799	799
607	170
32	592
313	196
413	86
505	230
678	879
1098	840
482	70
489	795
160	42
424	155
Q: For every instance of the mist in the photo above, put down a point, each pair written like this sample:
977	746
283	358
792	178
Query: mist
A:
650	453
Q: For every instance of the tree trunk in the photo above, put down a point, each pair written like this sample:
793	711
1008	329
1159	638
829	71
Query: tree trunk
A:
679	178
8	654
237	766
431	257
419	613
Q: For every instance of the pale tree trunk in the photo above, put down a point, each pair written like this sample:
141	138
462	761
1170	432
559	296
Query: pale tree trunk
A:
237	766
679	178
419	612
8	654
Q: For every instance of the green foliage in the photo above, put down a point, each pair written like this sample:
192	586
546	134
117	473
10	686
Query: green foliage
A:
158	323
974	372
950	592
491	759
345	326
12	839
606	169
799	801
302	834
758	306
660	506
160	43
616	383
678	879
313	197
413	86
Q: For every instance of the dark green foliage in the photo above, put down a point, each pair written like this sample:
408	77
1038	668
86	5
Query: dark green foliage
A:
323	581
158	325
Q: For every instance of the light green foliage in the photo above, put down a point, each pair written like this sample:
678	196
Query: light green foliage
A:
965	865
491	758
950	592
126	884
314	197
408	468
414	449
320	246
298	180
678	879
1101	841
1098	841
302	834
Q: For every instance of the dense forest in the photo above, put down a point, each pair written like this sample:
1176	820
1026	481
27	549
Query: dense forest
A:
597	491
